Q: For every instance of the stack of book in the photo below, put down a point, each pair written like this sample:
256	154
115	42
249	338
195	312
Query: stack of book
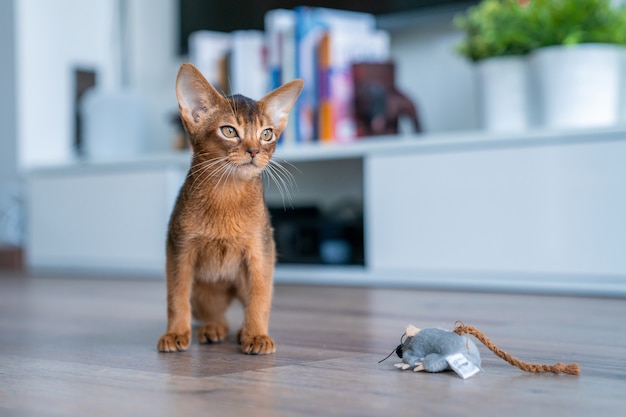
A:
234	63
319	45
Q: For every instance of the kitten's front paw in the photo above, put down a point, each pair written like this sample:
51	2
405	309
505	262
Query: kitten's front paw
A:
257	345
212	333
173	342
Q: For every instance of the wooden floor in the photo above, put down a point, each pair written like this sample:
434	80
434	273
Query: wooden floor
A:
86	347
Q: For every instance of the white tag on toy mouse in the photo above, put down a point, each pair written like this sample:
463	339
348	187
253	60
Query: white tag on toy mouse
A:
459	364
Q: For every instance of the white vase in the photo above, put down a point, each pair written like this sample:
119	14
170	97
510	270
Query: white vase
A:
579	86
115	124
504	93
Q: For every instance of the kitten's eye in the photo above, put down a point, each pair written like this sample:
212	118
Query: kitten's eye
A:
267	135
229	131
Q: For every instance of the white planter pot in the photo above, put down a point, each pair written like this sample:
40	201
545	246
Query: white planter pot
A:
504	93
579	86
115	124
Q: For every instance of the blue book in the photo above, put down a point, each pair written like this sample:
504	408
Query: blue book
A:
311	25
281	54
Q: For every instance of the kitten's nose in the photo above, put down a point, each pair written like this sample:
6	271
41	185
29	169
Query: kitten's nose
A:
252	151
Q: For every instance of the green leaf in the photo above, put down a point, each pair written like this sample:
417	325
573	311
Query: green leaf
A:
503	27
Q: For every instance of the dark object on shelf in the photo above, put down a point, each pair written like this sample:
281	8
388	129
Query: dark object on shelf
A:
84	79
341	243
304	235
378	104
11	258
296	234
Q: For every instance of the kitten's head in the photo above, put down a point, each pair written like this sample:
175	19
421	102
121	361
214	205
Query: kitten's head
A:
237	133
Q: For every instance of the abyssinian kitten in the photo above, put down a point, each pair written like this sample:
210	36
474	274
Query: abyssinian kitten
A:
220	245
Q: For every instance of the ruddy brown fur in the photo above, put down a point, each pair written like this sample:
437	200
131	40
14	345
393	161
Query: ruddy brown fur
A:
220	245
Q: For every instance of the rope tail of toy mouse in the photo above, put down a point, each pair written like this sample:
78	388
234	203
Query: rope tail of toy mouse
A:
557	368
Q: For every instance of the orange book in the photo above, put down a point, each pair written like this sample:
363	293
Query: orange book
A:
325	122
337	50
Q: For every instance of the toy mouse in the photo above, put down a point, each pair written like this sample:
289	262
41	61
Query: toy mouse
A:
436	350
428	349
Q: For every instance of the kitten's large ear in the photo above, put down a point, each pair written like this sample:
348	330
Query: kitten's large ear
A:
196	97
278	103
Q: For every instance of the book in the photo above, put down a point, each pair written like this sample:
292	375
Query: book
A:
338	50
311	25
279	27
207	50
281	52
246	65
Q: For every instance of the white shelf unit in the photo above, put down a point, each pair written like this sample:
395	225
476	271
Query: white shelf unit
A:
536	211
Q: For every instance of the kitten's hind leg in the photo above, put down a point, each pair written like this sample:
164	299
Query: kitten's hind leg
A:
209	302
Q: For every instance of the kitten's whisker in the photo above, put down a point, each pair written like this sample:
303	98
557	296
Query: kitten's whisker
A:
204	167
226	171
196	158
281	161
284	187
266	179
209	162
285	173
271	174
232	109
213	172
234	103
290	178
286	178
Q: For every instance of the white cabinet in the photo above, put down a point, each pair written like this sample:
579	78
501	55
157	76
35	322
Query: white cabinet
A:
542	211
104	218
541	214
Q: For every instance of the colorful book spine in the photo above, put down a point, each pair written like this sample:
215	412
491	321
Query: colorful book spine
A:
337	51
320	45
279	24
281	50
326	121
311	26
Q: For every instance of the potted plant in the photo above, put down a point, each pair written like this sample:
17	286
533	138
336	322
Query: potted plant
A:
579	63
577	51
496	40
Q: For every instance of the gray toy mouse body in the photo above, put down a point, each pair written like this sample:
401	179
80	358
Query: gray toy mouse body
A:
427	349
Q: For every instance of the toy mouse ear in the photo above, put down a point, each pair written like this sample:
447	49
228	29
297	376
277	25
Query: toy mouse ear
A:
412	331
